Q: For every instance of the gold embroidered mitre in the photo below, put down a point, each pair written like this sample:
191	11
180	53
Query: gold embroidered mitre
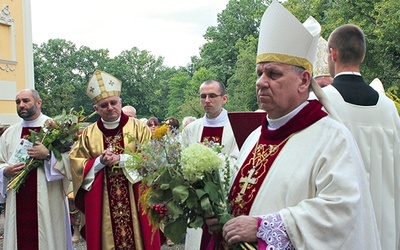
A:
102	85
321	62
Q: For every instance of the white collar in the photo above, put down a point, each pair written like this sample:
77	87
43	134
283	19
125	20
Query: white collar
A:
218	121
348	73
274	124
111	125
32	123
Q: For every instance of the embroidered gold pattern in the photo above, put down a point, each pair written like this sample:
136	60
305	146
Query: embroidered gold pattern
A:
120	210
214	139
249	178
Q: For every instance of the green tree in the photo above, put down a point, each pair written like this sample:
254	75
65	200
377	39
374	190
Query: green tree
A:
379	19
239	19
140	73
61	73
241	86
176	97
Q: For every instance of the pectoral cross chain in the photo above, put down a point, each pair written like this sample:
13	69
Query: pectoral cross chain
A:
247	180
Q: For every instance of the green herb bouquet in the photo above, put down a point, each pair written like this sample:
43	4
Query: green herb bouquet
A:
181	185
58	135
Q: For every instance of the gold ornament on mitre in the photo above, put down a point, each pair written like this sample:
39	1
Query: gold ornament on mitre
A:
321	62
102	85
285	39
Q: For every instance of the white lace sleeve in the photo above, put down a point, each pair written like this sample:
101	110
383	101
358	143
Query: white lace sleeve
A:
273	232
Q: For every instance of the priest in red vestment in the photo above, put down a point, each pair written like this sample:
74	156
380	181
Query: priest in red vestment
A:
301	182
107	196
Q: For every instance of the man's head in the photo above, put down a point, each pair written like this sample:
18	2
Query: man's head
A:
281	88
109	109
285	56
346	49
212	97
28	104
129	111
104	90
187	120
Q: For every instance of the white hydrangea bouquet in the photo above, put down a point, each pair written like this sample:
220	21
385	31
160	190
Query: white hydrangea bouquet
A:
181	185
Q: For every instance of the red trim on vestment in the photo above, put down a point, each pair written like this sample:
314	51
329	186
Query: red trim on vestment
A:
26	206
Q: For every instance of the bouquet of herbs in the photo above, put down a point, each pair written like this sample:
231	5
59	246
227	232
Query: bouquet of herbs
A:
57	135
181	185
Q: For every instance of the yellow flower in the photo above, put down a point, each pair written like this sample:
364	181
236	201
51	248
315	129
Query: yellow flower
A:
160	132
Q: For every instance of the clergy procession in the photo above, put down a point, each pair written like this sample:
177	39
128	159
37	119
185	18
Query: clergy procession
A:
320	169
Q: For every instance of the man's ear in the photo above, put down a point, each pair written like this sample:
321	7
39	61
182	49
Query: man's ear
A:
95	107
333	54
305	81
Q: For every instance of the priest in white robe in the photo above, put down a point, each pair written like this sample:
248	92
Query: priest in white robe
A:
214	127
374	122
301	182
37	216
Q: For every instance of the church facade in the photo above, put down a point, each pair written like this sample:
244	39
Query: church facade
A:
16	56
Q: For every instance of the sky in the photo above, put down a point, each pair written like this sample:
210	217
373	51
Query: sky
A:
172	29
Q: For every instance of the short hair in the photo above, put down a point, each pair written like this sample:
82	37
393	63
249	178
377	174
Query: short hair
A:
35	94
172	122
221	85
188	119
154	120
349	40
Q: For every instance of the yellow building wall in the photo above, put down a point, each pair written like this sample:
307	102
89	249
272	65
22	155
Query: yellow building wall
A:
16	56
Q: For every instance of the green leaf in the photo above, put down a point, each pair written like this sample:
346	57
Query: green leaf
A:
174	210
180	193
192	201
164	186
176	230
205	204
210	187
200	193
197	223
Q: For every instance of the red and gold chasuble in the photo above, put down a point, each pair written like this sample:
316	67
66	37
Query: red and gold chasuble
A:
113	199
212	134
26	205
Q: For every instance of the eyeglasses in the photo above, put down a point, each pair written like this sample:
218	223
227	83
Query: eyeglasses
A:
105	105
152	125
211	96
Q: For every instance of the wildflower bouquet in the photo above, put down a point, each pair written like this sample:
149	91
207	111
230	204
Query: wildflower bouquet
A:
57	135
180	186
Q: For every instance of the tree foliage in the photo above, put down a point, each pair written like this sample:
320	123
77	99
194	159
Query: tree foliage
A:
238	20
62	70
378	19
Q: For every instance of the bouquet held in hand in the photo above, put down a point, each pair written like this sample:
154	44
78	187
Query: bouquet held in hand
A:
179	185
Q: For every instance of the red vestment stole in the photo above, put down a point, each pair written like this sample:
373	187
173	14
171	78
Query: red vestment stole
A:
212	134
118	200
27	210
247	182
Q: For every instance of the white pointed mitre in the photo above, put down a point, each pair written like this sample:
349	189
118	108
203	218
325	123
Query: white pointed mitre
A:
321	62
377	85
102	85
285	39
